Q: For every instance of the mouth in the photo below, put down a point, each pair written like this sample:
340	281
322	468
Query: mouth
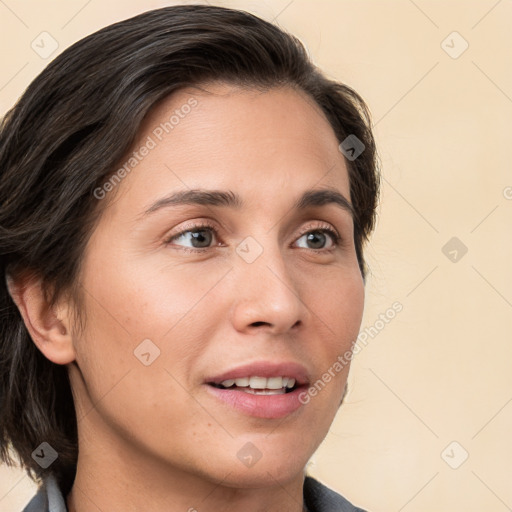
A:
262	390
256	385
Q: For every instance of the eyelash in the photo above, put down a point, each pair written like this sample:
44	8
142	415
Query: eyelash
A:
336	238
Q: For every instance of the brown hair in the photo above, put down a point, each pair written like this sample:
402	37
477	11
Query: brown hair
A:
63	139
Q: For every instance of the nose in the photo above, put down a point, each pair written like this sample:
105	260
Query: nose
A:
267	295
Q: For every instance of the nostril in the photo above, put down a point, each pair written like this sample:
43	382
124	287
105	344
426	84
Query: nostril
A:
257	324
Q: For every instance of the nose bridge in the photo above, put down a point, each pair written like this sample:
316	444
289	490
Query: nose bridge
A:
268	291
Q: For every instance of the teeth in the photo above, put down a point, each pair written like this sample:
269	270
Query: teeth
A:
257	382
274	383
261	383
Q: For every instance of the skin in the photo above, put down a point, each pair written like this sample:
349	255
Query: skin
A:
151	437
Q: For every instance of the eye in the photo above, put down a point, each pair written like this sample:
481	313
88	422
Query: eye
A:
199	235
317	237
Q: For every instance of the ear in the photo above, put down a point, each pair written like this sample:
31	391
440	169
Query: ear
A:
49	328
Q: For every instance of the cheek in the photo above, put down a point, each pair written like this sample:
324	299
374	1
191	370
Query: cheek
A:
350	300
128	304
337	311
147	299
114	377
337	306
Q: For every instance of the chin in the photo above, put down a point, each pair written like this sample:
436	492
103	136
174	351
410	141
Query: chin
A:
264	475
263	462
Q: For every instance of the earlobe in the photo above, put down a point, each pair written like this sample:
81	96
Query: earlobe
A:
49	328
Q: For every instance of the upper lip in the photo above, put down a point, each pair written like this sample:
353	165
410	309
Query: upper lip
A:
264	369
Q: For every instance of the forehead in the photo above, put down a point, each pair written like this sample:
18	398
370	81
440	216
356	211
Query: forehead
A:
266	144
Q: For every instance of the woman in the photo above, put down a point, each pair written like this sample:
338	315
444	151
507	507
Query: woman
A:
184	204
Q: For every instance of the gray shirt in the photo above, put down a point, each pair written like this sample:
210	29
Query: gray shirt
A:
317	497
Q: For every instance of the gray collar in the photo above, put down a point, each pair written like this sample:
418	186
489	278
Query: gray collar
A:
49	498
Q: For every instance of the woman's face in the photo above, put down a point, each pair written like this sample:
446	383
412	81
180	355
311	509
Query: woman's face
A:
192	294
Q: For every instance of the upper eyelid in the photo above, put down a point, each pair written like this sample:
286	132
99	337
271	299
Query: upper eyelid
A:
323	225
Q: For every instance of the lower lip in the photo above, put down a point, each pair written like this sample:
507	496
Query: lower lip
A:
260	406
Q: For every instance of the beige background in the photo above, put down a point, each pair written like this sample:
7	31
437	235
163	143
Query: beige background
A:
440	371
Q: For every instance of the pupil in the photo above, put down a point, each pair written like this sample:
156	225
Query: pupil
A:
312	236
198	236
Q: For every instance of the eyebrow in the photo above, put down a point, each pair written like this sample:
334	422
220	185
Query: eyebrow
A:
229	199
